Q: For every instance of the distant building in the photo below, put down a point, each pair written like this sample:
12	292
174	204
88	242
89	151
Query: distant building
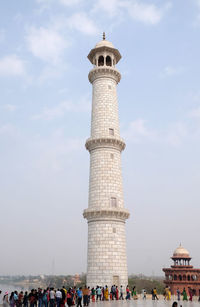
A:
181	274
76	279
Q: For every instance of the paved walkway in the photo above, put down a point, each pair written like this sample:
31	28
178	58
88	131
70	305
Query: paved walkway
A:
143	303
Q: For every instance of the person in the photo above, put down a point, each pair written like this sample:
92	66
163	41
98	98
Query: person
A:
152	295
45	298
93	292
16	298
184	295
31	298
85	296
128	296
52	296
5	300
62	302
69	297
11	300
169	294
114	291
199	296
79	296
144	294
178	294
155	293
25	299
175	304
73	294
121	293
89	294
165	293
39	296
190	294
20	298
117	293
134	294
58	297
106	293
98	292
102	294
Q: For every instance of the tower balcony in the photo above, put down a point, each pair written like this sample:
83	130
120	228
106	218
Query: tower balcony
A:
105	142
104	72
106	214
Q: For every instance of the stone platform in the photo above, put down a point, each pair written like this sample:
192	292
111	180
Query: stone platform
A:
147	303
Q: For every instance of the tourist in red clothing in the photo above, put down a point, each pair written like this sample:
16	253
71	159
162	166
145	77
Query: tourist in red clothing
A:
117	293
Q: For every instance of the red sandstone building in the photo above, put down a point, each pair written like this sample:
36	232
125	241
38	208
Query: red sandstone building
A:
181	274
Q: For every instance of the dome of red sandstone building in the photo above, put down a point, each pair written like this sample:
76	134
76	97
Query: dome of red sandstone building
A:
181	252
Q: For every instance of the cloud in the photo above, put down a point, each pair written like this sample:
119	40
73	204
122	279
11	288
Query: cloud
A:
82	23
173	135
51	72
196	22
8	130
111	7
46	44
170	71
52	152
147	13
12	65
70	2
195	113
61	109
137	131
10	107
176	133
67	3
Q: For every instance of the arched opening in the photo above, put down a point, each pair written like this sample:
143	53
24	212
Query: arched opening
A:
113	202
175	277
101	60
194	277
180	277
108	61
188	278
111	131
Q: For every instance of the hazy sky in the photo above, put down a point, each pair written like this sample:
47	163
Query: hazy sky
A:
45	104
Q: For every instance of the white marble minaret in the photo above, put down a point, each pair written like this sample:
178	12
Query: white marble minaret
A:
106	216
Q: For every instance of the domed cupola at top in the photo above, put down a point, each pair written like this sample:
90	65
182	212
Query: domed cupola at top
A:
181	251
104	54
181	256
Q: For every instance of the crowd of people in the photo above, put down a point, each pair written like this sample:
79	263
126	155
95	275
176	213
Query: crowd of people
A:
51	297
183	294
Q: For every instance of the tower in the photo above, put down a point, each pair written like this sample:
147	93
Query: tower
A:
106	216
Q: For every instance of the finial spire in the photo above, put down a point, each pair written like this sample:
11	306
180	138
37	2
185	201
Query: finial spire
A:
104	36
